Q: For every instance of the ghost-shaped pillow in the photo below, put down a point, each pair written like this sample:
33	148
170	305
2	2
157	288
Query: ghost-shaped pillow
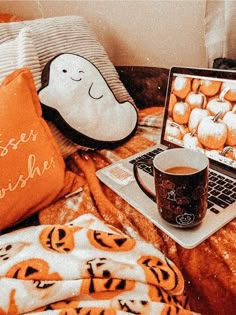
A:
77	99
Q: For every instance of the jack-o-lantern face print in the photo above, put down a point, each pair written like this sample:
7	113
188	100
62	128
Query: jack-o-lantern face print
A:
58	238
88	310
68	306
160	273
161	295
110	242
102	267
104	289
133	306
32	269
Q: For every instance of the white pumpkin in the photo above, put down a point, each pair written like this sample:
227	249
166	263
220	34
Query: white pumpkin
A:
181	86
219	104
230	121
196	115
196	99
231	93
181	112
190	140
212	132
173	130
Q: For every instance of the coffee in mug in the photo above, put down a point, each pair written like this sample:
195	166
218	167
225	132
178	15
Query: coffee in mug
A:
181	170
181	186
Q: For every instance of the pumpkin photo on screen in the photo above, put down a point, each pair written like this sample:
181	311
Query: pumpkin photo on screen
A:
202	115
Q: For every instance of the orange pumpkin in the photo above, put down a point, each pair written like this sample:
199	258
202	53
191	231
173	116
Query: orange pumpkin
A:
181	112
181	86
32	269
212	132
230	121
104	289
128	305
160	273
110	242
207	87
59	238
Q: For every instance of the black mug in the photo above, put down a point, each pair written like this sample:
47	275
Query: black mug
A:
181	185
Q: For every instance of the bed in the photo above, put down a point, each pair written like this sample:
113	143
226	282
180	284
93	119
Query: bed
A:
89	214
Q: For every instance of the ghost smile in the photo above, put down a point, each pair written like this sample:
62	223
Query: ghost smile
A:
76	79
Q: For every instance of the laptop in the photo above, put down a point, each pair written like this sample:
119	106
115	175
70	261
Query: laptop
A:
207	85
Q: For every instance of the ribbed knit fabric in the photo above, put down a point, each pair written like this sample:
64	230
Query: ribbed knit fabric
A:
17	53
66	34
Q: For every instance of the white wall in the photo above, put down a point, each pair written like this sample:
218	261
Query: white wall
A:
134	32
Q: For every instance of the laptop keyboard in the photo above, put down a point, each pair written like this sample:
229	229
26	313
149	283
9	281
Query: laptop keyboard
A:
149	156
221	190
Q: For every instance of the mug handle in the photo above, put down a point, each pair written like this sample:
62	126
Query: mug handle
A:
139	181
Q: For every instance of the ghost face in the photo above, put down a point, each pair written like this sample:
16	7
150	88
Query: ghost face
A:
9	250
71	69
76	75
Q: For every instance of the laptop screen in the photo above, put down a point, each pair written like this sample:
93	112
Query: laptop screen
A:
200	113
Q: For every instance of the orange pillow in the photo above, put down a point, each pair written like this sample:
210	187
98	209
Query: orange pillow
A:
32	168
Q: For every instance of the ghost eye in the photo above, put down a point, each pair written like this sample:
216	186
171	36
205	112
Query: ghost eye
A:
64	70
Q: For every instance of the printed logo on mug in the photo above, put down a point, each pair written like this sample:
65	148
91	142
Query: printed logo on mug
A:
181	185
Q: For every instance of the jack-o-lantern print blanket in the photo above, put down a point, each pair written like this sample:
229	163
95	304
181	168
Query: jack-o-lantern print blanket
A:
86	267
